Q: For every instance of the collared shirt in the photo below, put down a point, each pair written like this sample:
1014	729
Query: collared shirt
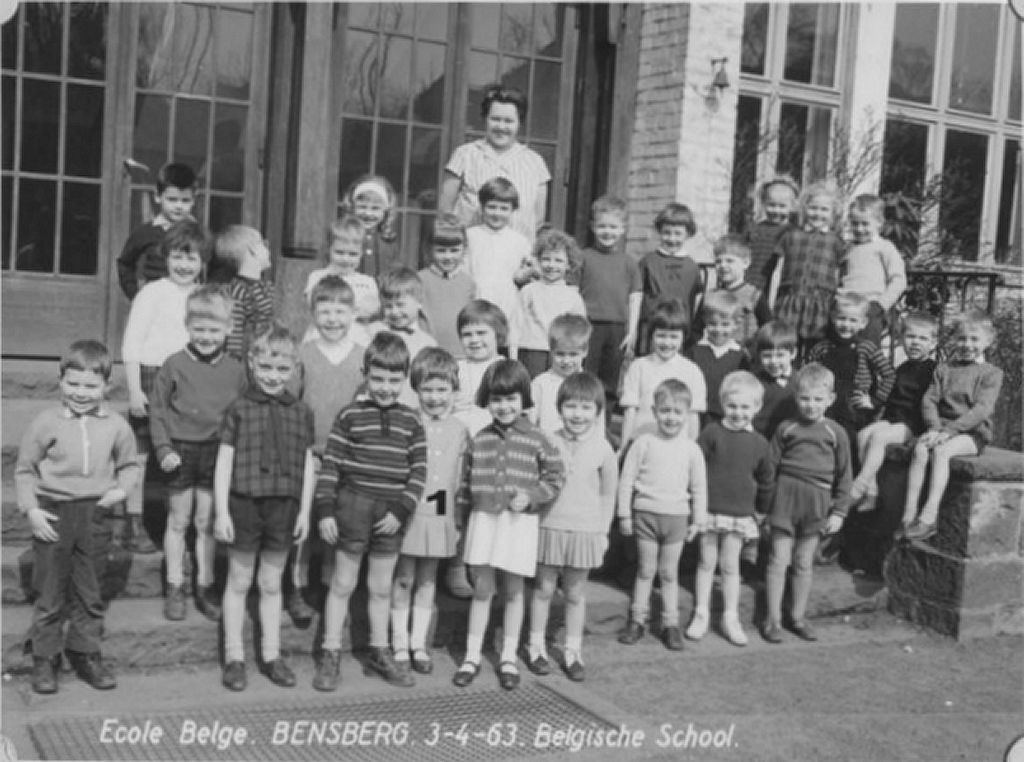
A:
248	427
447	442
64	456
720	351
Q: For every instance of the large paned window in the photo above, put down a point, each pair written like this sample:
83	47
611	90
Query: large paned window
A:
54	71
952	135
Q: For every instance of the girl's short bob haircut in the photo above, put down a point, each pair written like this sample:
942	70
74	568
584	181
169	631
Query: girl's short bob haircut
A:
503	378
434	363
187	235
777	334
583	387
87	355
387	351
676	214
488	313
498	189
669	315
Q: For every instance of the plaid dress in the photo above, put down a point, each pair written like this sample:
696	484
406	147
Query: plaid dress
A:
809	279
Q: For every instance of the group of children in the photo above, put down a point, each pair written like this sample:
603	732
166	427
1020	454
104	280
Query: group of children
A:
403	429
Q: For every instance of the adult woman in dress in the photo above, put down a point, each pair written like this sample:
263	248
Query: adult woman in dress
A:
498	154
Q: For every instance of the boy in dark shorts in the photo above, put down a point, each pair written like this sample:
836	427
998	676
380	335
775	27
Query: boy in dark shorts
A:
371	479
263	489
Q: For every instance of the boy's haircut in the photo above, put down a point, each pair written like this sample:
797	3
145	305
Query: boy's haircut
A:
273	339
498	189
570	330
869	203
346	225
332	288
676	214
87	355
669	315
401	281
850	300
976	319
734	245
551	239
176	175
777	334
608	205
673	389
209	303
922	320
434	363
447	230
815	374
488	313
741	382
387	351
499	93
785	180
187	235
502	378
720	304
581	386
233	243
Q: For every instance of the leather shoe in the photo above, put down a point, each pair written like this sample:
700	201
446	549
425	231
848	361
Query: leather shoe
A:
421	662
466	674
631	633
771	632
803	630
672	639
279	673
508	675
44	678
233	676
538	665
91	669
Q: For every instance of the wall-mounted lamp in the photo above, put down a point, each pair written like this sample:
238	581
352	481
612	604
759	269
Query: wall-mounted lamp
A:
719	82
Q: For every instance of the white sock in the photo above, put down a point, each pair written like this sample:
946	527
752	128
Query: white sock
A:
474	644
537	646
508	649
421	616
400	632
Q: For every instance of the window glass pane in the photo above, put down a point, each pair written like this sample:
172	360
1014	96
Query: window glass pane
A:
175	48
515	72
543	113
83	136
516	27
424	161
1013	109
227	167
428	100
87	46
792	138
7	199
481	72
816	153
43	31
745	153
1008	248
395	81
416	233
234	54
811	36
152	130
191	130
904	158
79	245
391	157
913	52
360	73
397	17
9	42
356	151
40	122
9	85
974	57
548	29
486	23
224	211
963	190
364	15
37	222
755	37
432	21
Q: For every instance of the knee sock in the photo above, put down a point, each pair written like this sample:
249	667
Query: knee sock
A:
421	616
270	623
233	618
174	554
400	632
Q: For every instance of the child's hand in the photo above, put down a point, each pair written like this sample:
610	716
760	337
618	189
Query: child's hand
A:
519	502
861	400
833	524
929	439
626	527
41	521
301	530
387	525
627	346
224	528
170	461
112	497
329	530
693	530
138	405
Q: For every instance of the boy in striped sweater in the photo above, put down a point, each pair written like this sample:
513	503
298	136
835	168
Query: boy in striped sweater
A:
371	479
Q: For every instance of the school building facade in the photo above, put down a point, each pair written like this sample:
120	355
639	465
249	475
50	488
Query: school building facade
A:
279	106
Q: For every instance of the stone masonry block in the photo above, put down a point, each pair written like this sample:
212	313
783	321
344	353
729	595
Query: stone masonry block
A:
995	519
943	619
1007	618
925	574
992	582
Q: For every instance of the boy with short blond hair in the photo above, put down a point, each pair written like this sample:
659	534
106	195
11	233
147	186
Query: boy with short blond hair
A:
612	292
192	390
75	463
569	336
249	255
401	295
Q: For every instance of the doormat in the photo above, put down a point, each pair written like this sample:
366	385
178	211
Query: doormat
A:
445	726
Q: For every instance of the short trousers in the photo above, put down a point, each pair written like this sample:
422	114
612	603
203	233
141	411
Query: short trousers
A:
198	460
659	527
355	514
263	523
799	509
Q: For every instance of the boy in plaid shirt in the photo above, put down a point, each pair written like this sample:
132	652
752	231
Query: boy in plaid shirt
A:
263	489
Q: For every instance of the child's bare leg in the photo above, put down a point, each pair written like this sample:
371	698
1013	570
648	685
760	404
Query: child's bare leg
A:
179	512
423	602
646	566
778	562
915	480
269	576
343	582
401	595
380	572
882	434
705	581
668	569
206	545
729	550
479	611
961	444
540	607
513	621
575	585
240	569
134	501
803	566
